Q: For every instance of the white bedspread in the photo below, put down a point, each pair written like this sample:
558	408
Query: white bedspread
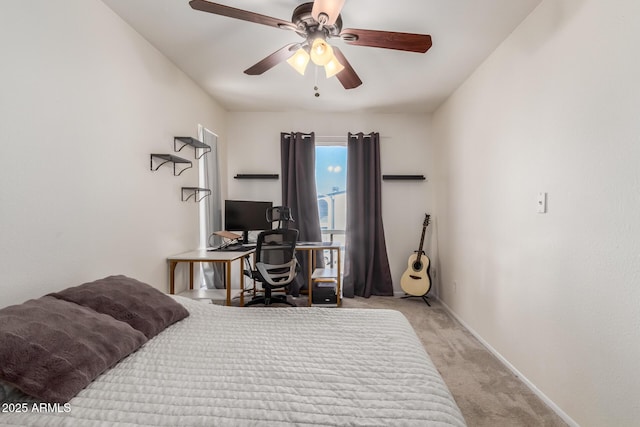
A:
264	366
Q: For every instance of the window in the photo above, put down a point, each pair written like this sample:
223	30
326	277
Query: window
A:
323	210
331	186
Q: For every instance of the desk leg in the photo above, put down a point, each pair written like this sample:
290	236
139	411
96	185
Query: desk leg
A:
172	276
241	261
252	263
311	260
227	280
338	280
191	275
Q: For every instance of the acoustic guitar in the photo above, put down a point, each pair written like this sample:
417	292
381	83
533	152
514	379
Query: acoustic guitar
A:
415	280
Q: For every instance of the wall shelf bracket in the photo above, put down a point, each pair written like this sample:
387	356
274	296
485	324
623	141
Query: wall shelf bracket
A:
195	193
168	158
179	142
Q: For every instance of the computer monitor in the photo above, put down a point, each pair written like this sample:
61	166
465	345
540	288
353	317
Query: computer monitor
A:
245	216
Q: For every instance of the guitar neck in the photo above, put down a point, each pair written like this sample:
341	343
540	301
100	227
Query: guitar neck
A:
424	229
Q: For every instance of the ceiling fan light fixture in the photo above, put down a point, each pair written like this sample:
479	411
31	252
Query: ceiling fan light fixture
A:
315	21
321	52
333	67
299	61
329	8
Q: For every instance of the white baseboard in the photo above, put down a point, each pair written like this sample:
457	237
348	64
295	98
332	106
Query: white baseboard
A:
513	369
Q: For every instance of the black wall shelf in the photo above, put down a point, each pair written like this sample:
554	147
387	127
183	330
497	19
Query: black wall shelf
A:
194	192
257	176
403	177
173	159
183	141
179	142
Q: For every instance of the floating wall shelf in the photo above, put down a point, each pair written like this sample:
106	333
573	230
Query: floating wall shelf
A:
194	192
183	141
256	176
173	159
403	177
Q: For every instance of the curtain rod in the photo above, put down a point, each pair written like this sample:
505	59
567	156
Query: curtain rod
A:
333	136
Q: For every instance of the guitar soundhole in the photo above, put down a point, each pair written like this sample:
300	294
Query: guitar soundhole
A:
417	266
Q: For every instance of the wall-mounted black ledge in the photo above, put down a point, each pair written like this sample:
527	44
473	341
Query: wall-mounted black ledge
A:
170	158
403	177
256	176
187	140
194	192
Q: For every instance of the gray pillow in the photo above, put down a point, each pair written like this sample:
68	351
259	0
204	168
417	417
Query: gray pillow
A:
51	349
5	391
142	306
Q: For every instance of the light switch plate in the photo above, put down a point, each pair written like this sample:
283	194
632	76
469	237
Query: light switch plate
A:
542	203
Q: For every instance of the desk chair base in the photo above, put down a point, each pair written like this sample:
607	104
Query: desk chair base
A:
269	300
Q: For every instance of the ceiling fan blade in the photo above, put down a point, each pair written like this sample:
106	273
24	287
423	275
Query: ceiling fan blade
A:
272	60
245	15
348	76
387	39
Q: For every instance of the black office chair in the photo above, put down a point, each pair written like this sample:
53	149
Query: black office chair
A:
276	264
282	214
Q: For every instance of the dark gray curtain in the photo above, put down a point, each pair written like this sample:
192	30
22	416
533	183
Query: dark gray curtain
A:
298	164
366	270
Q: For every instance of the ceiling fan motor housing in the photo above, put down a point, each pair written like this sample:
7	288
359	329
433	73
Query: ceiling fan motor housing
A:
312	29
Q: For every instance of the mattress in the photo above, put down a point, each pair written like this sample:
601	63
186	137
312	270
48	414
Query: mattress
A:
263	366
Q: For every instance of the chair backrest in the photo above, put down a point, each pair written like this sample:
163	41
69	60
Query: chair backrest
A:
275	257
276	246
281	214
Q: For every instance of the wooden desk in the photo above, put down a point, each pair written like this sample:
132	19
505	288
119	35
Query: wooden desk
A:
312	248
203	255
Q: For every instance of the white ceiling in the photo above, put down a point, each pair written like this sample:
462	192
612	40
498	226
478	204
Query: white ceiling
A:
215	50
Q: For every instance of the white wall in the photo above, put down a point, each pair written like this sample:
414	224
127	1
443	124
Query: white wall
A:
84	102
254	147
556	109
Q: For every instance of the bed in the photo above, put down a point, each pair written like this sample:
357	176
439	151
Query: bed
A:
224	365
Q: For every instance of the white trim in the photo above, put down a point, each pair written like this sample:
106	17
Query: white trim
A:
513	369
331	140
336	139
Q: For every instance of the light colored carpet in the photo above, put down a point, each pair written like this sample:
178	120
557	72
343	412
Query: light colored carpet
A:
488	394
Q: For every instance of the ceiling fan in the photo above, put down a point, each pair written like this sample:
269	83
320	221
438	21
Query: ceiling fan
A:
316	22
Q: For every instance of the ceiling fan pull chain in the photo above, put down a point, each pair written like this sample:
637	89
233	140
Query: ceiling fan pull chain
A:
315	81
